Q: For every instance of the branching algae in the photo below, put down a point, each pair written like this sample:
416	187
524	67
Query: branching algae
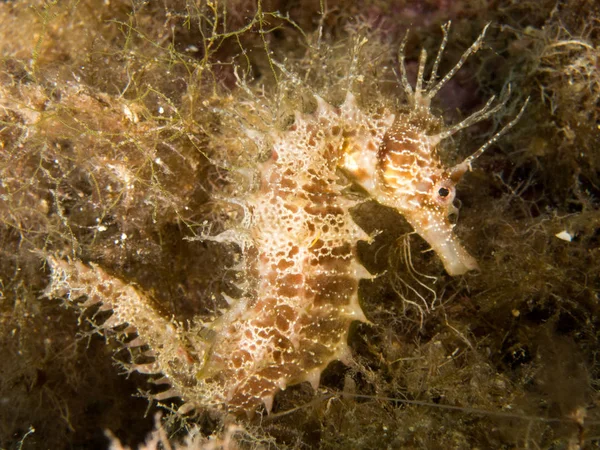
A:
298	270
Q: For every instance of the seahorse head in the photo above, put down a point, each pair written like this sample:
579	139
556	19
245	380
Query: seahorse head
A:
413	180
403	169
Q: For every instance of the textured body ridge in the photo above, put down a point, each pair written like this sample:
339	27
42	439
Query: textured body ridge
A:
300	262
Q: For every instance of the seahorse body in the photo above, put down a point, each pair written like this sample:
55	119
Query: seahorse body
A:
295	318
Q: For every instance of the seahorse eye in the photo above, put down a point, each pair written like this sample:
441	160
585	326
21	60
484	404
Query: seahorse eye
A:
443	192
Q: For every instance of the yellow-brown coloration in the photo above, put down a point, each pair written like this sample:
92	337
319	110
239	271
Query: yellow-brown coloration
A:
299	264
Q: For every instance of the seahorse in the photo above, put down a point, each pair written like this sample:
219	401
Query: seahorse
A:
300	257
